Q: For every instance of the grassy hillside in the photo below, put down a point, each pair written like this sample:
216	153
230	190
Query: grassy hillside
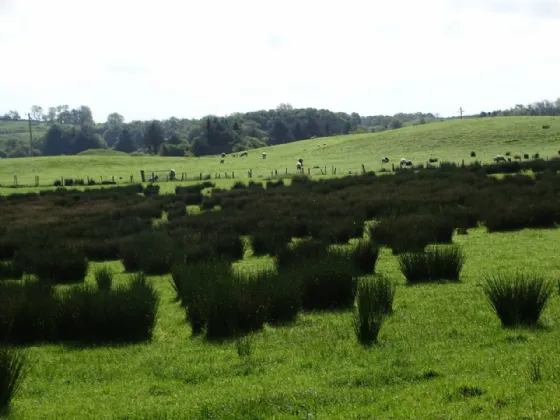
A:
450	140
18	131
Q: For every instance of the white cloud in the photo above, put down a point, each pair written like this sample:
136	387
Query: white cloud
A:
148	59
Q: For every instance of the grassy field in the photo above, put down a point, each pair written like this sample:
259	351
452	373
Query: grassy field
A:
442	354
449	140
18	131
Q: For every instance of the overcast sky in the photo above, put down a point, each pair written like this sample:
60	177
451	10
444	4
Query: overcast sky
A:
187	58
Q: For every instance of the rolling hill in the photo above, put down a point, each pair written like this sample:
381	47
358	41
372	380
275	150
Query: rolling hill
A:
18	132
451	140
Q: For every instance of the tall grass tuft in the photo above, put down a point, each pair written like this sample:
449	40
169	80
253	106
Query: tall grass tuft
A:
383	292
244	345
104	277
61	264
10	271
365	255
13	368
28	312
223	301
300	253
283	295
369	314
191	282
151	252
437	263
328	284
125	314
518	298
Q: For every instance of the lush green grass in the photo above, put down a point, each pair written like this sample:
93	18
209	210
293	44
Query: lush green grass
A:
18	131
450	140
441	354
102	152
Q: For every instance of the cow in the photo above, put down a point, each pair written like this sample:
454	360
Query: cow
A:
385	160
221	161
264	155
243	154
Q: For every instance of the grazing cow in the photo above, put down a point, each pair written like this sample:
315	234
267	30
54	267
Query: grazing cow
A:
403	161
223	155
385	160
299	164
243	154
222	161
408	163
316	167
300	160
499	158
172	175
264	155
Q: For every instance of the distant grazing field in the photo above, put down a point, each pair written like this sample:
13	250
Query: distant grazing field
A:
18	131
240	316
447	141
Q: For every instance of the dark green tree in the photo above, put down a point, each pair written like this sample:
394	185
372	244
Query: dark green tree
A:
174	139
125	142
154	137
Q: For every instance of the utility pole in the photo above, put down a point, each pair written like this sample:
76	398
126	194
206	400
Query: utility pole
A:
461	112
30	134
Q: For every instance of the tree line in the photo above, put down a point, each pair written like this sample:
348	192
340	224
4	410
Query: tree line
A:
72	131
537	109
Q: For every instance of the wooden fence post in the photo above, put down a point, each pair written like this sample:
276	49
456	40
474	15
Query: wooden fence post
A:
15	181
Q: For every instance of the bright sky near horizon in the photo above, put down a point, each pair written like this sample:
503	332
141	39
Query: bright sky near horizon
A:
157	59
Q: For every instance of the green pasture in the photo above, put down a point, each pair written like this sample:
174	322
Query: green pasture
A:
442	354
448	141
18	132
